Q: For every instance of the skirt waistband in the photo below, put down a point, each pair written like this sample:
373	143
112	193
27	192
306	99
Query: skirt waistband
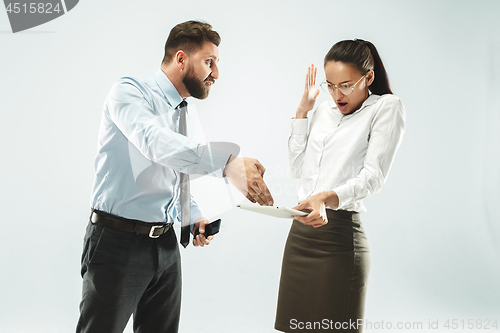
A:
343	214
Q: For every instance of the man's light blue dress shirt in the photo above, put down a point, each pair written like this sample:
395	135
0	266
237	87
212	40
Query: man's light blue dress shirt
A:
140	152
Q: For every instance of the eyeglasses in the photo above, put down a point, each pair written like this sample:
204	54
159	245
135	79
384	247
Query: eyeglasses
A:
344	88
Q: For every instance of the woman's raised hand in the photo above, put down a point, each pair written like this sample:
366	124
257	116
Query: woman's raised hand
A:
310	93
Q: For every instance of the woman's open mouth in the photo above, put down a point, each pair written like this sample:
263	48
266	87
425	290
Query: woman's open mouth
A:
341	106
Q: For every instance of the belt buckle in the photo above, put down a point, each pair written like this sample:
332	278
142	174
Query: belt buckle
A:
153	228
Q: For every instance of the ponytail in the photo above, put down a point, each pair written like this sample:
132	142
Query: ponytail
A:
364	57
380	84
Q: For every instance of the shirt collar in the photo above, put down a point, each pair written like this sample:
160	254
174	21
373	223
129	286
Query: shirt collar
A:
172	95
370	100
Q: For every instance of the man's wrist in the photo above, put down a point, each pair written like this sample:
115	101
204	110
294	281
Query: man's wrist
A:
229	160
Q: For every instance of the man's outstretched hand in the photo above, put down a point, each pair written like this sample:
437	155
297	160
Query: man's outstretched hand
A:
246	174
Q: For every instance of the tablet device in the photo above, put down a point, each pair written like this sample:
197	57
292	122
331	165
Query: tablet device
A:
283	212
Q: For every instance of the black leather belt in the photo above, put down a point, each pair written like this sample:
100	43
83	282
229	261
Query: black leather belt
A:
123	224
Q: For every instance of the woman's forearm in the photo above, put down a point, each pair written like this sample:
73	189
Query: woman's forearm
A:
330	198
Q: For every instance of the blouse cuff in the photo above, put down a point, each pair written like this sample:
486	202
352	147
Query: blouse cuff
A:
344	193
299	126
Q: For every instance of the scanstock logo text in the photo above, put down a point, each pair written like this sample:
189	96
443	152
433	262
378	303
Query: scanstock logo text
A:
24	15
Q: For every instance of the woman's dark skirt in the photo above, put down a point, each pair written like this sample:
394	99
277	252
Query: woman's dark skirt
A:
324	276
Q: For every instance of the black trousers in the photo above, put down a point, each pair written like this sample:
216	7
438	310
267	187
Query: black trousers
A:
124	274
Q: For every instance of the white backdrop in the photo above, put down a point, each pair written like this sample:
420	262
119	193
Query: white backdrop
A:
433	230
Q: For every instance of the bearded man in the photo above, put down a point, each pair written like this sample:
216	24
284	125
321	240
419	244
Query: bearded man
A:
131	262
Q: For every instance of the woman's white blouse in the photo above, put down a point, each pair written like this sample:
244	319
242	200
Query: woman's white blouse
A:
352	154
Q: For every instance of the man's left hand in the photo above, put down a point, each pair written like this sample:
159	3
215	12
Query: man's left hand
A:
201	240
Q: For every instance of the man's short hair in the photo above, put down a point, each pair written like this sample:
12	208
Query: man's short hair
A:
189	37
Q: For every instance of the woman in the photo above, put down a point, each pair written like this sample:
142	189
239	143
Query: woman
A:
342	153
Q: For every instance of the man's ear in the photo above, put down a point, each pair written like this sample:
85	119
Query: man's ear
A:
181	59
370	77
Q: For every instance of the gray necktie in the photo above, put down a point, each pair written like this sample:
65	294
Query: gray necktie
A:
185	195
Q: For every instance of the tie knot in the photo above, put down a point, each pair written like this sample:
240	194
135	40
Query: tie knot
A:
183	104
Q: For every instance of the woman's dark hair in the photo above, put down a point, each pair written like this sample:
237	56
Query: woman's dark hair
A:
364	57
189	36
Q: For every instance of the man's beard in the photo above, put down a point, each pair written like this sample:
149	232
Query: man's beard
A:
194	85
